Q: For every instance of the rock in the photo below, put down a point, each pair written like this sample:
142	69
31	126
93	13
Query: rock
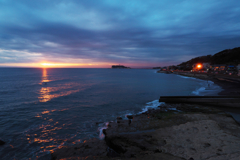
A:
130	116
104	132
2	142
119	118
97	123
112	153
200	134
131	145
129	121
92	149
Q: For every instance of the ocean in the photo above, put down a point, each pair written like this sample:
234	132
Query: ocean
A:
42	109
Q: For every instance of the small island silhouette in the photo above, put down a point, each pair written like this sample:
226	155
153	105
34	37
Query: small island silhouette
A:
120	67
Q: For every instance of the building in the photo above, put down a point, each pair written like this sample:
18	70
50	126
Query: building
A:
218	67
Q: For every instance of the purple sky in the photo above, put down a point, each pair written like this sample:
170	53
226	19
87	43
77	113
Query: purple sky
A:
137	33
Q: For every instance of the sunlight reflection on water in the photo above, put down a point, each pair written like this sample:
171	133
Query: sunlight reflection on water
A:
45	109
47	93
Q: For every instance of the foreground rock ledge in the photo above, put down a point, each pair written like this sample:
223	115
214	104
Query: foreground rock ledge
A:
196	133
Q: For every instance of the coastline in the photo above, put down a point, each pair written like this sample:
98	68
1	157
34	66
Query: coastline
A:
230	85
159	133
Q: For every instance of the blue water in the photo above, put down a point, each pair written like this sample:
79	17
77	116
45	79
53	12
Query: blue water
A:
42	109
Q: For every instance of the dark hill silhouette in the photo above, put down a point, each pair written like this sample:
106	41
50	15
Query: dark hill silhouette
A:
228	56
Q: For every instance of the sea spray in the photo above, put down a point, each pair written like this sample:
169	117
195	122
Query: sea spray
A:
151	105
101	134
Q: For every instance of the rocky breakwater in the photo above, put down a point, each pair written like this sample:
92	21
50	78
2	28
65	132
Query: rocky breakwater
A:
175	132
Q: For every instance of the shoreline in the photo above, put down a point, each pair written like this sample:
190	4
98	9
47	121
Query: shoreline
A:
144	135
230	85
176	131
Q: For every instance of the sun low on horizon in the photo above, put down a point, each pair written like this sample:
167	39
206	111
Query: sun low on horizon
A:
48	64
71	65
57	65
98	33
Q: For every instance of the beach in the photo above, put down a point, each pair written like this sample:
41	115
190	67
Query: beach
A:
229	84
172	131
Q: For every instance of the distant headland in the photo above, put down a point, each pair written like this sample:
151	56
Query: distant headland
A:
119	67
225	62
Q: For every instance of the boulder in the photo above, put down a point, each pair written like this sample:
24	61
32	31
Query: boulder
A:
119	118
2	142
130	116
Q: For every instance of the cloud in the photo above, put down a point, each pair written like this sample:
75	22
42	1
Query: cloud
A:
141	33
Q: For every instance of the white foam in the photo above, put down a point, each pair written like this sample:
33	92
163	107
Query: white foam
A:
186	77
198	91
173	109
125	117
151	105
207	87
101	135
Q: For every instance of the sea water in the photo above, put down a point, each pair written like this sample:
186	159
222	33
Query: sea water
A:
42	109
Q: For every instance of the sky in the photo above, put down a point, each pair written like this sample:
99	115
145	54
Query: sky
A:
101	33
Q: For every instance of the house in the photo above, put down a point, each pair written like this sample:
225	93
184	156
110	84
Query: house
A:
231	69
218	67
164	68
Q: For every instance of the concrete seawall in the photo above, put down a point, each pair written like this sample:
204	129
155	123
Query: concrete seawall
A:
221	101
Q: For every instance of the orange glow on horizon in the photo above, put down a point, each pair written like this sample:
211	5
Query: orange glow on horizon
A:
58	65
73	64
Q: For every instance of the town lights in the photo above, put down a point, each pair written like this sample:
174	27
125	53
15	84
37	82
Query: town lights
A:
199	66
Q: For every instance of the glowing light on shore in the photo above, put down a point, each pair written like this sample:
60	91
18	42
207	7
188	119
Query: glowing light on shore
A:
199	66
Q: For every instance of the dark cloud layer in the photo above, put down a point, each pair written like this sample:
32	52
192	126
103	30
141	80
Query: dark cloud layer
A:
141	33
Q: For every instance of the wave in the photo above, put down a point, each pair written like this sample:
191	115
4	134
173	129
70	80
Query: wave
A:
207	87
100	129
198	91
186	77
151	105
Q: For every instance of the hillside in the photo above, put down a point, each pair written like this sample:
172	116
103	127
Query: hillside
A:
228	56
202	59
